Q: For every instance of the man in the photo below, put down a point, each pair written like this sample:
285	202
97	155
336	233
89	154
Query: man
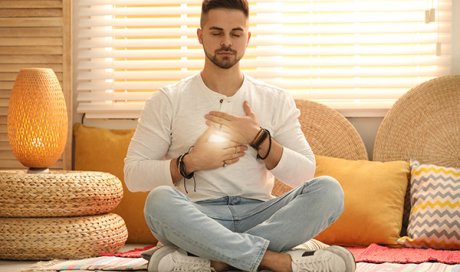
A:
208	147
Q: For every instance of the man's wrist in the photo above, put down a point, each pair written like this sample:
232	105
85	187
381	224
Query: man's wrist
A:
265	148
188	163
259	138
181	166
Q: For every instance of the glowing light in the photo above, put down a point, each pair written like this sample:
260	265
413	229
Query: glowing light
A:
217	137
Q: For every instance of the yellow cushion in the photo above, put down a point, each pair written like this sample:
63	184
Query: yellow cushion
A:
104	150
374	200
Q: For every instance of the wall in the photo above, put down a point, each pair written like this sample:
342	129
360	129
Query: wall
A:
367	127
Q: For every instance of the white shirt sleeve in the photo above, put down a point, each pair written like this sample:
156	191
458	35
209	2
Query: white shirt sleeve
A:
145	164
297	163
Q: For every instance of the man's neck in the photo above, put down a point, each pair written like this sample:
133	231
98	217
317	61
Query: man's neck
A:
223	81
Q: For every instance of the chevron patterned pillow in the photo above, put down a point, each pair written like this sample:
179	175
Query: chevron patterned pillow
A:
434	220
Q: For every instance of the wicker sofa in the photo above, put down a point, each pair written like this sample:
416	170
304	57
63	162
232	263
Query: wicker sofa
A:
423	125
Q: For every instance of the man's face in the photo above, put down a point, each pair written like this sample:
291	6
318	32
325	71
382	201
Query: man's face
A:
224	36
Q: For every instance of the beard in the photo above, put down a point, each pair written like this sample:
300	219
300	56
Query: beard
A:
224	62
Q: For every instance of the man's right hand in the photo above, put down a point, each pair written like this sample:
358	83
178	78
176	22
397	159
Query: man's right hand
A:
211	151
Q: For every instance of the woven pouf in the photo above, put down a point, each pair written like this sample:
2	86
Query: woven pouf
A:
423	125
58	193
61	238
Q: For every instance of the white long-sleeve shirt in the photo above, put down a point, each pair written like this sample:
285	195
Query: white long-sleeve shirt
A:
173	119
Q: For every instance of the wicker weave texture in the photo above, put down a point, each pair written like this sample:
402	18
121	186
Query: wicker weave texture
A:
424	124
61	238
37	118
58	193
329	133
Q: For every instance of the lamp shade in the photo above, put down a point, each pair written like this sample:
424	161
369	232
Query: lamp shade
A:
37	118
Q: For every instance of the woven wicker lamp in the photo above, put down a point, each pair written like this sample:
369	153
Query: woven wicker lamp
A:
37	119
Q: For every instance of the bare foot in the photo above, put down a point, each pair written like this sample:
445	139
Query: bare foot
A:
275	261
219	266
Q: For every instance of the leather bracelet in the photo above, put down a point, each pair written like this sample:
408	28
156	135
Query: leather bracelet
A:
259	139
181	167
183	172
269	147
256	137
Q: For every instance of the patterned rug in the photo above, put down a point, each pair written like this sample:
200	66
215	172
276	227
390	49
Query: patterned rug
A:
109	263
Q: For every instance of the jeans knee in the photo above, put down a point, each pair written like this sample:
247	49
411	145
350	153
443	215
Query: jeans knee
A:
332	193
157	199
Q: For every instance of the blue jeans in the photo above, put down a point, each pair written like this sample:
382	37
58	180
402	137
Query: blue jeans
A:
237	230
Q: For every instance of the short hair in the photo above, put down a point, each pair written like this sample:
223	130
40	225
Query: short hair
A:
208	5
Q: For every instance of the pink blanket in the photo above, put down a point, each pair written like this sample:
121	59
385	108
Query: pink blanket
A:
134	253
380	254
372	254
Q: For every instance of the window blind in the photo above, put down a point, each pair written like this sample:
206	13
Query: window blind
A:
351	55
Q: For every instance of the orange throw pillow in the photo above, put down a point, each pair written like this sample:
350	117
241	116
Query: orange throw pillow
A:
374	200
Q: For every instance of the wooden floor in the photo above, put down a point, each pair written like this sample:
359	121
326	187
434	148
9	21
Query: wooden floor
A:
15	266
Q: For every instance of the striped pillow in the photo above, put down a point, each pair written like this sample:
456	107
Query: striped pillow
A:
435	207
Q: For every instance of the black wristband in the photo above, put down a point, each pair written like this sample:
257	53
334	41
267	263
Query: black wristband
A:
269	147
181	167
259	139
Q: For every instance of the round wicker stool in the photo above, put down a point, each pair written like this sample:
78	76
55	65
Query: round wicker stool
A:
61	238
58	193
